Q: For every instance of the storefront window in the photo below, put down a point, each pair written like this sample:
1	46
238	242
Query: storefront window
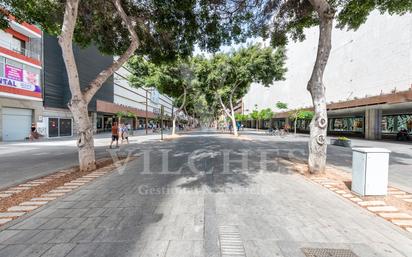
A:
349	124
395	123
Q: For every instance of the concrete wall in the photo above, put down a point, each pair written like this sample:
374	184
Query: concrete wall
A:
376	58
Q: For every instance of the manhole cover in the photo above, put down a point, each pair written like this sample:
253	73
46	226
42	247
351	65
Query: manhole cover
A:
327	252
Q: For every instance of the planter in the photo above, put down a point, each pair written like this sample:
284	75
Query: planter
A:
339	142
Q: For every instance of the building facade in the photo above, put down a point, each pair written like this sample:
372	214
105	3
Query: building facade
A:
57	119
21	88
368	79
139	100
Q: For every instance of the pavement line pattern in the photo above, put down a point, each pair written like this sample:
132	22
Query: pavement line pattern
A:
16	211
231	243
380	208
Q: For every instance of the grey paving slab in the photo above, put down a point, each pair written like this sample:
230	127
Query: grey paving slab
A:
141	214
59	250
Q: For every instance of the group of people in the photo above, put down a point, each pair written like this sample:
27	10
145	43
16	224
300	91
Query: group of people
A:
121	131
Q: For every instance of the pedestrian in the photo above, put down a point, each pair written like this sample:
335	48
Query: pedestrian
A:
125	133
33	132
115	134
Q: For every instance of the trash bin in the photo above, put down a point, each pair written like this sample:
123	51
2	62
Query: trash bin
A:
370	171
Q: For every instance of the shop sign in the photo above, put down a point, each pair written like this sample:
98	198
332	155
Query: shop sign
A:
13	73
20	85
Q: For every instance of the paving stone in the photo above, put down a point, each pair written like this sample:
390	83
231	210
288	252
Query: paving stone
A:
395	215
34	203
22	208
409	229
60	191
73	184
372	203
59	250
11	192
43	199
11	214
20	188
403	222
53	194
5	195
347	195
403	196
382	209
341	191
397	193
4	220
356	199
67	187
408	200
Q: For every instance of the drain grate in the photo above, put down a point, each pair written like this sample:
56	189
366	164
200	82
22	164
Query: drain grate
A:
327	252
231	244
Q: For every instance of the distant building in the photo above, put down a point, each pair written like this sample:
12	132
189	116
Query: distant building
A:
368	79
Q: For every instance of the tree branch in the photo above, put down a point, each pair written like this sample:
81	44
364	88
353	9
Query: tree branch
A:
97	83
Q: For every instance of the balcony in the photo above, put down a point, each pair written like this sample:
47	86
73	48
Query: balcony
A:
31	54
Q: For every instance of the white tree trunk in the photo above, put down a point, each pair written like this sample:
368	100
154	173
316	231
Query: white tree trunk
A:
318	126
179	110
230	114
296	121
85	142
80	100
174	125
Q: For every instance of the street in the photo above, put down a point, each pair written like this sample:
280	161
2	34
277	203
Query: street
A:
192	196
21	161
46	157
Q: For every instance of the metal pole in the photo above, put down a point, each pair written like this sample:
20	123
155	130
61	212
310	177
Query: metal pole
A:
146	113
161	124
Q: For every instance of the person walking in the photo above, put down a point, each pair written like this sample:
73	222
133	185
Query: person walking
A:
125	133
115	134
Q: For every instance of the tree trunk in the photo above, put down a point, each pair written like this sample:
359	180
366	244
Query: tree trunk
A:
232	115
318	125
80	100
178	110
85	142
296	121
174	125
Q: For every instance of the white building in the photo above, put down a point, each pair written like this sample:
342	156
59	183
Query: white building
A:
375	60
128	96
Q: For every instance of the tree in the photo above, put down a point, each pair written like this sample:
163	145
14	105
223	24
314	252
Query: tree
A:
175	79
160	30
301	115
281	105
255	116
229	75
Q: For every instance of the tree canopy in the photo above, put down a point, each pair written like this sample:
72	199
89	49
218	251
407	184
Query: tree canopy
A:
165	29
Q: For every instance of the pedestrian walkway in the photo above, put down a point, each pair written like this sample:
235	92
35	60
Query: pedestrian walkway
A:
176	210
21	161
400	169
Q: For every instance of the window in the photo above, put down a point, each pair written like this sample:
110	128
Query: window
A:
14	63
18	45
394	123
351	124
